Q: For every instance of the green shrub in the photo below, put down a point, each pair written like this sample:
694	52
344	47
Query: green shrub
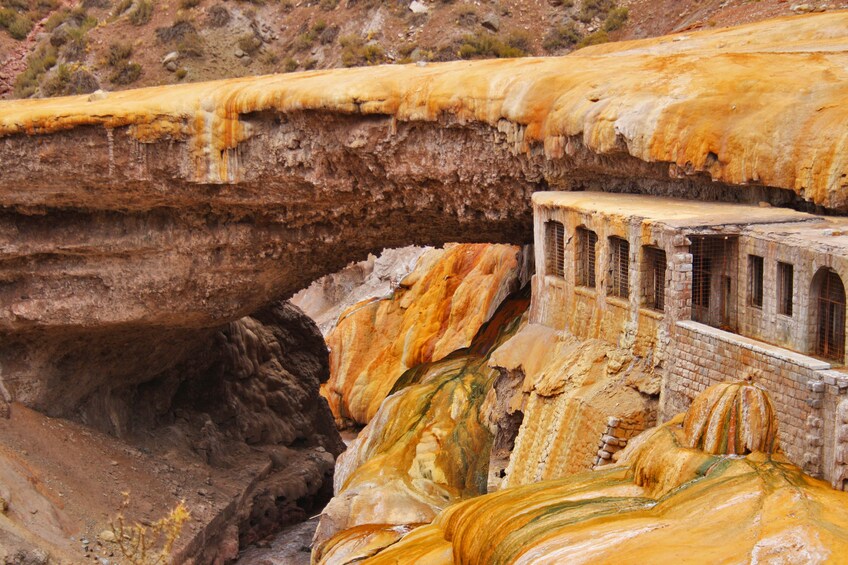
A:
20	27
76	44
38	63
561	37
81	19
126	73
178	30
484	45
181	73
616	19
118	53
7	16
68	80
596	38
355	52
591	9
56	19
187	4
217	16
122	6
249	43
290	65
191	45
142	13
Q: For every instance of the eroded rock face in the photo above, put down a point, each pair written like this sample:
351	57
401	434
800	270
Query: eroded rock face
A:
236	427
133	218
436	310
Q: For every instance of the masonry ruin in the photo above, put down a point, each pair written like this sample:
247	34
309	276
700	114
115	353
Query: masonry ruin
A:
710	292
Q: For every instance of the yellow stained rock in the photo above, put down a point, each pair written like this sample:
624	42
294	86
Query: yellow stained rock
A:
666	503
438	309
570	388
760	103
426	448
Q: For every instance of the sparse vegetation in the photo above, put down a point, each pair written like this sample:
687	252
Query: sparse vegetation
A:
17	17
484	45
355	52
249	43
591	9
290	65
153	544
181	73
191	45
561	37
142	13
126	73
217	16
118	53
41	61
596	38
188	4
616	18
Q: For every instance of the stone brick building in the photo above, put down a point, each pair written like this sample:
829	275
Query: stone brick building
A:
712	292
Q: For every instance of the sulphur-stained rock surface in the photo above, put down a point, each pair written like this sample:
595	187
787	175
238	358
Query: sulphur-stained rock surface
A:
665	503
427	447
562	391
237	429
436	310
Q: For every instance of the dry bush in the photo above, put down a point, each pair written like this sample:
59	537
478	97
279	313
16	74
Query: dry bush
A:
149	545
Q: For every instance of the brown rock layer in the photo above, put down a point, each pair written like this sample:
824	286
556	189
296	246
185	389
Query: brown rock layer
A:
131	217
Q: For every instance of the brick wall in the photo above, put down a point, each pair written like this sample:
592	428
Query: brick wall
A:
805	392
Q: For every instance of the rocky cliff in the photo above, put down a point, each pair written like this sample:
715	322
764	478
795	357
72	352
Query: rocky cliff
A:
237	429
133	220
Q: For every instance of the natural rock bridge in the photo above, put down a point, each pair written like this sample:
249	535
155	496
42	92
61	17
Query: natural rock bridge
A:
133	223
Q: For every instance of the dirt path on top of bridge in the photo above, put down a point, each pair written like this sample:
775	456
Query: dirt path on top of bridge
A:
16	62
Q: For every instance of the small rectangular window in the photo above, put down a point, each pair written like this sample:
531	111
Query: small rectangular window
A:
653	280
785	278
585	257
755	280
554	249
619	267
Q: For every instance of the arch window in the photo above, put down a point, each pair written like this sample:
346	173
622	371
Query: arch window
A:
829	309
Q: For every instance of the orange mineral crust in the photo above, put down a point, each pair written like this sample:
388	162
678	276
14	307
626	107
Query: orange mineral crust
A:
665	503
437	309
758	104
426	447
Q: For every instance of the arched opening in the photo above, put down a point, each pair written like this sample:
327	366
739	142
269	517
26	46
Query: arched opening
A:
829	311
